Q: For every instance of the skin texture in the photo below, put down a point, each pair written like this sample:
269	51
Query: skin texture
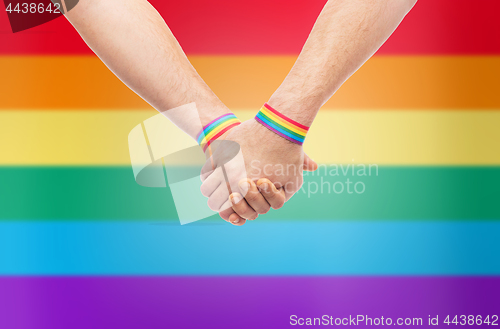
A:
133	41
346	34
260	198
266	154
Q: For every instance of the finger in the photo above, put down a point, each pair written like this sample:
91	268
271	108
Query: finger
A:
275	197
224	214
207	169
309	164
222	153
288	195
212	183
218	198
292	187
226	210
236	220
253	196
241	207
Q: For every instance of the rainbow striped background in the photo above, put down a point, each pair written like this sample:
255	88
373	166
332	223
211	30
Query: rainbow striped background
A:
83	246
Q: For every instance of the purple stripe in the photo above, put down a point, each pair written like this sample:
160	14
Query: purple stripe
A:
277	132
234	302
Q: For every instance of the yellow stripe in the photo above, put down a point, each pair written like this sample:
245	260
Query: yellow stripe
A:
282	122
340	136
219	128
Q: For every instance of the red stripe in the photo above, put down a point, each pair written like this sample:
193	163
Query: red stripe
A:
286	118
220	133
254	27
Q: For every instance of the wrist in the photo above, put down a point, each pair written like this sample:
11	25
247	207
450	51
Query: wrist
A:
302	109
216	129
274	142
208	112
281	125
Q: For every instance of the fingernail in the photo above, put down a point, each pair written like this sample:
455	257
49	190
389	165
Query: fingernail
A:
245	186
265	186
236	221
235	198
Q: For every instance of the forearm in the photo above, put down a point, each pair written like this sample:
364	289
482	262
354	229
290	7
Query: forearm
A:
132	39
346	34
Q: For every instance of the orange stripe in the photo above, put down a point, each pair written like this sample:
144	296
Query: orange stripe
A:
384	82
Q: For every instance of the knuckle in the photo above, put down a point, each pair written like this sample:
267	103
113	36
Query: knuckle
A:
226	213
206	171
212	204
279	204
253	216
248	214
204	176
224	216
271	195
251	196
264	210
243	213
205	191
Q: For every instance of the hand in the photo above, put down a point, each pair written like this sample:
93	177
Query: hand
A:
265	155
261	196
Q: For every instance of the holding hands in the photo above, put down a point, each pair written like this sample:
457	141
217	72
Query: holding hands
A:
258	164
270	174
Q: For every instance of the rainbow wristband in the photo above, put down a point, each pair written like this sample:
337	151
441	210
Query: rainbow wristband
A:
215	129
281	125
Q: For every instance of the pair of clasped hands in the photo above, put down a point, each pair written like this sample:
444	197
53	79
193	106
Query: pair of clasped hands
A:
253	169
265	173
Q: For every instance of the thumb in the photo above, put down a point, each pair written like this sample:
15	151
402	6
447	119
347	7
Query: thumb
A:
309	164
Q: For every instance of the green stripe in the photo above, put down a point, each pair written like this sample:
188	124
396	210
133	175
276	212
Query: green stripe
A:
396	193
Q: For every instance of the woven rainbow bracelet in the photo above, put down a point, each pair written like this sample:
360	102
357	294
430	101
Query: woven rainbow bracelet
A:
216	128
281	125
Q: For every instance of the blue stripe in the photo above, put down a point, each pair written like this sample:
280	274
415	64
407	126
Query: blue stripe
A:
275	127
259	248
